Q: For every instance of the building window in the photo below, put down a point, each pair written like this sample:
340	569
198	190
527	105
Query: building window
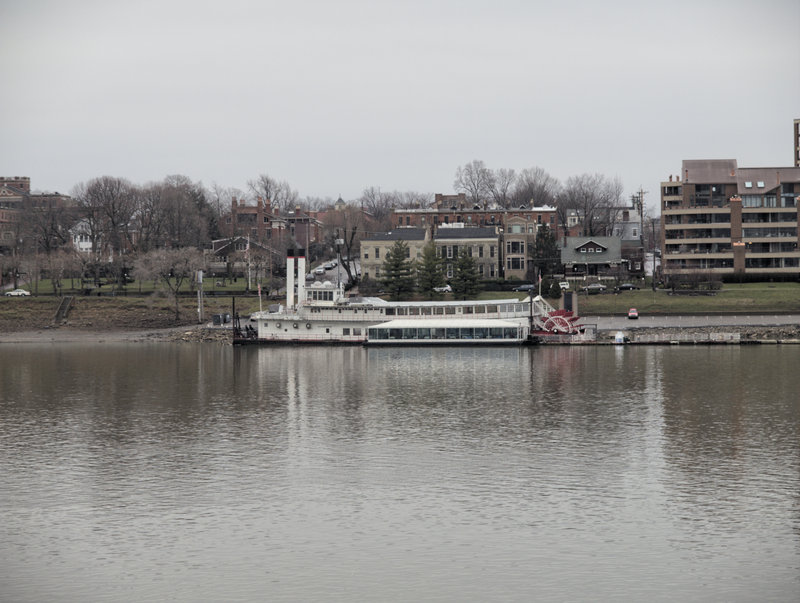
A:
491	251
408	220
377	253
480	251
515	247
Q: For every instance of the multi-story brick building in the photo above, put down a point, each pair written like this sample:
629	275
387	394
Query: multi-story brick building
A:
515	227
15	198
455	209
727	221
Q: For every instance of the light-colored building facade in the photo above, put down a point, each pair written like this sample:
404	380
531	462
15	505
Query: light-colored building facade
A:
375	248
481	244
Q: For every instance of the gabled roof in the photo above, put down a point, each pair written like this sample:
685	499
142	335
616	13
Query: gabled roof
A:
611	246
223	246
593	241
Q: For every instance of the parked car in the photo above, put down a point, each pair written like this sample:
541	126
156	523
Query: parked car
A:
594	288
17	293
633	313
445	289
319	270
310	276
525	288
564	285
330	266
626	287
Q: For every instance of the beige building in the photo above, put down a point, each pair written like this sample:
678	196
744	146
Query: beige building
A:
481	244
374	249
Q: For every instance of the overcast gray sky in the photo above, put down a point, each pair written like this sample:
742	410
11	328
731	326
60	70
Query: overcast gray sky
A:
337	96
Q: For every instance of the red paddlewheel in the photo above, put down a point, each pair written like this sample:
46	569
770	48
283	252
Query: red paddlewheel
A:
559	324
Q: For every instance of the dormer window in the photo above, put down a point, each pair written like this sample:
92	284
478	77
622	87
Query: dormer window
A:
748	184
760	184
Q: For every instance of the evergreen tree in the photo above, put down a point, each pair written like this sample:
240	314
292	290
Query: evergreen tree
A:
398	272
465	277
546	255
430	271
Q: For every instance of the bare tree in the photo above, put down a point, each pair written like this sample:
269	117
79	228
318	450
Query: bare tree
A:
476	181
282	197
171	268
411	199
534	186
594	197
93	225
46	225
148	218
186	212
347	225
379	206
502	182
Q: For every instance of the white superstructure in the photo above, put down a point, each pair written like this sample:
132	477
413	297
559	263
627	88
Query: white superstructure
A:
322	313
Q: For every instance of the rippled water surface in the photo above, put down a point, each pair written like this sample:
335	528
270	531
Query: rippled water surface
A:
138	472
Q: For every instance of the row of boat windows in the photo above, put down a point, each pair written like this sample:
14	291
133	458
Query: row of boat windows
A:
380	333
435	310
320	295
444	310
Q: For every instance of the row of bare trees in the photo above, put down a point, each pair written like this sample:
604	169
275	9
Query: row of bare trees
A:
121	221
594	197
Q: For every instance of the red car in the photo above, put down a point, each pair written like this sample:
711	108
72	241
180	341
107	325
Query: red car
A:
633	313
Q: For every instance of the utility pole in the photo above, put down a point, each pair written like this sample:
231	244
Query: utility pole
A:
638	202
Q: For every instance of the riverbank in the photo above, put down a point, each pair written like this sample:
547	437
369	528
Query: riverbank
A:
152	319
193	334
788	334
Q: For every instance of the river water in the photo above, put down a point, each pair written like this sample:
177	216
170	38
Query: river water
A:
153	472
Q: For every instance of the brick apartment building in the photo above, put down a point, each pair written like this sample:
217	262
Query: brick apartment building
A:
15	198
732	222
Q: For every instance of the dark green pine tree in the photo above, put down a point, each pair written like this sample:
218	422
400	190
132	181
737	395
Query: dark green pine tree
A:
465	277
398	272
430	271
546	254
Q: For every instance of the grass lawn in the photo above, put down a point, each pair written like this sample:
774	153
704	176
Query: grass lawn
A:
73	287
732	299
133	307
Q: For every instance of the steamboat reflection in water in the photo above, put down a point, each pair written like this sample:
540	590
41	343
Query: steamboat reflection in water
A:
185	472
